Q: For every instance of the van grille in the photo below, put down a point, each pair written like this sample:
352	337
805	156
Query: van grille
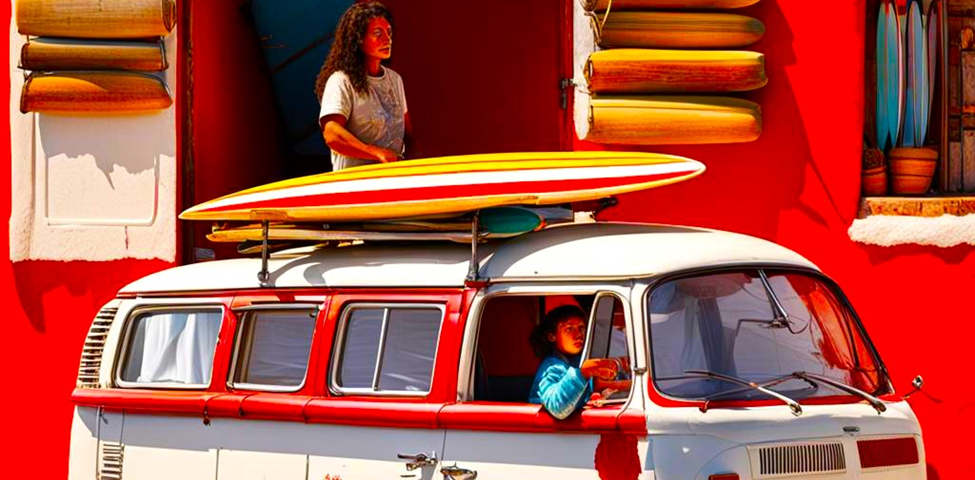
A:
803	459
91	353
110	467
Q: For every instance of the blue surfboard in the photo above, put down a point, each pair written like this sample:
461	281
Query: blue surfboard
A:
882	84
295	37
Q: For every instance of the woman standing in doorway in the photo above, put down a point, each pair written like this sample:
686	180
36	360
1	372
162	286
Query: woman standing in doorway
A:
364	118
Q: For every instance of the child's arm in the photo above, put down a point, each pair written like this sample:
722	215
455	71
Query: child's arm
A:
560	389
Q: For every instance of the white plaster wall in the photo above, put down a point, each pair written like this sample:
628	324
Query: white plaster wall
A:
88	187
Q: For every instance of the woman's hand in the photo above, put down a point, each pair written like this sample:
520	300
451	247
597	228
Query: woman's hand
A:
602	368
384	155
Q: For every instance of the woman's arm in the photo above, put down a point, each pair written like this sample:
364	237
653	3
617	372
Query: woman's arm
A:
344	142
560	387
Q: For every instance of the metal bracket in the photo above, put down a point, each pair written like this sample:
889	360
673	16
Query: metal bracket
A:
472	272
565	83
264	275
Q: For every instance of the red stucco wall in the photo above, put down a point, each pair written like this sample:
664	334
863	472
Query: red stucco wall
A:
472	91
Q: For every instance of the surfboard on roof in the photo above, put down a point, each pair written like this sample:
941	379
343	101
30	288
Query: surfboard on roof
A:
449	185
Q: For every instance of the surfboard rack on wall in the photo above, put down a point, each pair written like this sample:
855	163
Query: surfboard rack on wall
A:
95	58
465	199
636	60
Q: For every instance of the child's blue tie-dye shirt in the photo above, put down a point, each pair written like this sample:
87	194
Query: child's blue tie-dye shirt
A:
560	386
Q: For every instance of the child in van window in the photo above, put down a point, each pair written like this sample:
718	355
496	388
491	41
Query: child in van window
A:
561	385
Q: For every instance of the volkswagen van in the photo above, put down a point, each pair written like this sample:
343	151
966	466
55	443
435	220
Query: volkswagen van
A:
412	360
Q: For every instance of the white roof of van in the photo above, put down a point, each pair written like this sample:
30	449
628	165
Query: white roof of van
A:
576	251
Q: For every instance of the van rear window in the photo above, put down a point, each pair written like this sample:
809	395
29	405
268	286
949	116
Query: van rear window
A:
170	348
388	349
273	348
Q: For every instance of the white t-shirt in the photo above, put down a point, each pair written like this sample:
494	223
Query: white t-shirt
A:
376	119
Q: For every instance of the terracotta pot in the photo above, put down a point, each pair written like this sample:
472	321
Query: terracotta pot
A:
911	169
874	182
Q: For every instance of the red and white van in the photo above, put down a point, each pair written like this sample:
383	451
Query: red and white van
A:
386	361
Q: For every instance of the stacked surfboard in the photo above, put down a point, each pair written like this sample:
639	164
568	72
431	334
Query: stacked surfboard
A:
94	57
665	72
436	199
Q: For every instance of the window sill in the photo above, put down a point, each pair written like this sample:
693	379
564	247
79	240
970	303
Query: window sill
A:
936	221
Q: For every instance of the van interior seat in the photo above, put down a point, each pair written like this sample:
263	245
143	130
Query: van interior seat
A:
505	365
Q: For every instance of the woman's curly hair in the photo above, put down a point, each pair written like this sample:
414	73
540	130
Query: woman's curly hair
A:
346	52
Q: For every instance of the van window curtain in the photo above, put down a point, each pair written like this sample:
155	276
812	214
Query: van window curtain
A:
176	347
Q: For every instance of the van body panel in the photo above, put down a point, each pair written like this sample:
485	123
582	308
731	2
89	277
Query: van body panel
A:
560	252
159	447
627	251
422	265
84	443
546	455
315	430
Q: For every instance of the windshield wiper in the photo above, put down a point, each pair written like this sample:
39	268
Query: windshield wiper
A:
875	402
771	383
793	405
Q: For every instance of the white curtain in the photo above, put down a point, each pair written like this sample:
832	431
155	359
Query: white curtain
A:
176	347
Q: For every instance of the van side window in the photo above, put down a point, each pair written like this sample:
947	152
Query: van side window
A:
170	348
387	348
505	363
273	348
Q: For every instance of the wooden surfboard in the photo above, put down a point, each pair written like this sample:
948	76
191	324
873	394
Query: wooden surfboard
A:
677	30
670	120
635	70
96	19
446	185
64	54
90	92
278	233
600	5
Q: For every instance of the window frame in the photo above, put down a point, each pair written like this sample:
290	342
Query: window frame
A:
338	348
242	314
121	359
657	394
624	291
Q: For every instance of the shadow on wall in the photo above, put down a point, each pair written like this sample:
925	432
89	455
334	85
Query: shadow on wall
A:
749	185
103	169
89	284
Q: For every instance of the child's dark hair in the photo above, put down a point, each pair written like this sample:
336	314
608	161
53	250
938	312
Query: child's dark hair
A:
540	342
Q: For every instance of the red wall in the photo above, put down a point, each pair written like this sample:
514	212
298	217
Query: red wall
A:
479	78
798	185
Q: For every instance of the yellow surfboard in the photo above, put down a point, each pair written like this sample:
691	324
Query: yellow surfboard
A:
446	185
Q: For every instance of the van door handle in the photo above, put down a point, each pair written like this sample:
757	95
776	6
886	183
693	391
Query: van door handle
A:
419	460
454	472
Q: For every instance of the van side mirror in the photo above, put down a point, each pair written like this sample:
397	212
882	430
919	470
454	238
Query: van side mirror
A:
917	383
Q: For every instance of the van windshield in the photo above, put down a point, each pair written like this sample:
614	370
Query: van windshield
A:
760	326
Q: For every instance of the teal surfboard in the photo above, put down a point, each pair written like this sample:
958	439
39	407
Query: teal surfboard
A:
882	83
895	74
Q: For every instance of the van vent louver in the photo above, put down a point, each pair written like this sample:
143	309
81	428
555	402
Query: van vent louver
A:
802	459
110	467
887	452
91	354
